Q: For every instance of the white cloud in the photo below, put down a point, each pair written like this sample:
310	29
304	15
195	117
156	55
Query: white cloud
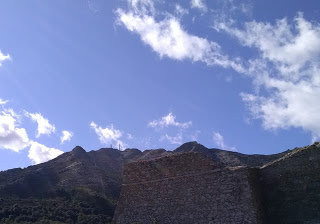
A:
287	68
93	7
142	6
219	141
168	38
12	137
169	120
195	135
66	136
108	135
129	136
39	153
173	139
44	127
235	11
199	4
289	47
146	142
4	57
179	11
285	71
3	102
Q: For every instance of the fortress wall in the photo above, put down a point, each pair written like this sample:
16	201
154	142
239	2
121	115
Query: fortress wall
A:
189	188
169	166
291	187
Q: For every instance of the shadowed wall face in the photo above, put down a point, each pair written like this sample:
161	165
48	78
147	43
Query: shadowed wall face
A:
291	187
188	188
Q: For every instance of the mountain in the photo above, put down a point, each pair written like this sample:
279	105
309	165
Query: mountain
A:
83	187
229	158
76	187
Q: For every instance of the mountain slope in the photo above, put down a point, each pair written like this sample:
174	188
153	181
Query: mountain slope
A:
83	187
229	158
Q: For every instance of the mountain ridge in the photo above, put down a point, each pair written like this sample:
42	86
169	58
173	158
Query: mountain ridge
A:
92	178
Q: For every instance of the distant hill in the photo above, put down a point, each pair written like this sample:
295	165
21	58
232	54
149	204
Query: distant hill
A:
83	187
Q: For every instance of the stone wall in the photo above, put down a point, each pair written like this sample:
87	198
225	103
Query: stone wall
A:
291	187
188	188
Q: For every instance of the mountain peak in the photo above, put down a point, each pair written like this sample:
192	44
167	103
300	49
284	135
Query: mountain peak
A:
78	150
189	146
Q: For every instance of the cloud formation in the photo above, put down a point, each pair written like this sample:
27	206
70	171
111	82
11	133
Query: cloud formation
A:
168	120
287	68
66	136
231	10
4	57
14	138
44	127
109	136
3	102
130	136
174	139
11	136
168	38
218	139
167	124
199	4
39	153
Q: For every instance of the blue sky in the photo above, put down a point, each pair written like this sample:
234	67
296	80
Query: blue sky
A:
238	75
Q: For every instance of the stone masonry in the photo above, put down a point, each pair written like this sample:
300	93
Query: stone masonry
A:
291	187
191	188
188	188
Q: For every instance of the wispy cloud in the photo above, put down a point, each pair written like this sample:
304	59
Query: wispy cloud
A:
169	124
3	102
39	153
195	135
284	70
109	135
235	11
178	139
180	11
14	138
130	136
288	50
11	136
4	57
219	141
168	38
199	4
288	68
168	120
95	6
44	127
66	136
